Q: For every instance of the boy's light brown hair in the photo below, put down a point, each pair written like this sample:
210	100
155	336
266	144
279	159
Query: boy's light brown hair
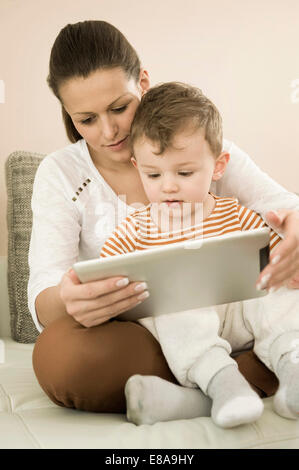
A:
168	108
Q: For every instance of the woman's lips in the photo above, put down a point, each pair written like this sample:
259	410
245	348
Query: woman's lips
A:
118	145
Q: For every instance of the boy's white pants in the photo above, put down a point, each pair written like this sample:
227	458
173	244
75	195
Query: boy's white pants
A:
198	343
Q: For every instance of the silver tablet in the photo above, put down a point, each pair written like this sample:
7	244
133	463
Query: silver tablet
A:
189	275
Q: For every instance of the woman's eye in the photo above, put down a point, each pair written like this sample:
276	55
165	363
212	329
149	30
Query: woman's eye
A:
186	173
119	110
87	121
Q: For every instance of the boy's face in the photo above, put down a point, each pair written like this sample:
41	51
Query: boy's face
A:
182	174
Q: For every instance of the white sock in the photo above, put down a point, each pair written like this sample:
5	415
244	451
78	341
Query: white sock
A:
286	399
234	401
151	399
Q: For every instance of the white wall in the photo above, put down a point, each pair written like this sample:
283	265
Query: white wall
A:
244	55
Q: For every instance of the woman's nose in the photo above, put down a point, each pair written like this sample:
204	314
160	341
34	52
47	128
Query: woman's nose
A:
109	130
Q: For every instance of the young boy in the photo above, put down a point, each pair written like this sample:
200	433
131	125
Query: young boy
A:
176	138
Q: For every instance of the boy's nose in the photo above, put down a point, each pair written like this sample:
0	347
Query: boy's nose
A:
169	185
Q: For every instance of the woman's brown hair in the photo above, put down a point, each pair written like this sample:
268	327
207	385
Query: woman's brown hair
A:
83	48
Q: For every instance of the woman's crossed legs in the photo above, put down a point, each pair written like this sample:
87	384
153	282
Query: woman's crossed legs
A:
87	368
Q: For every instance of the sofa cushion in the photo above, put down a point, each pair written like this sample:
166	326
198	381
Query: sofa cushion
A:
20	169
29	420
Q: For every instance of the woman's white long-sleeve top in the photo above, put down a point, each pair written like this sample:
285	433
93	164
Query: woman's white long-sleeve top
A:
75	210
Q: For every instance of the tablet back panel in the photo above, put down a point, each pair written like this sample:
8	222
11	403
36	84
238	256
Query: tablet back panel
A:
191	274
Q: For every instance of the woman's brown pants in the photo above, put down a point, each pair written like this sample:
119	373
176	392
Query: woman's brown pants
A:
87	368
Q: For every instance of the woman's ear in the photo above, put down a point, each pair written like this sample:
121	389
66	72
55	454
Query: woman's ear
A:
144	81
133	160
220	166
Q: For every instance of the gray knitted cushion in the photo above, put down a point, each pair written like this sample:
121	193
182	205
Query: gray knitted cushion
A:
20	168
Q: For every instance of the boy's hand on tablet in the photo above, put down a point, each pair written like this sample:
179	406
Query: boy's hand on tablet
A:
283	269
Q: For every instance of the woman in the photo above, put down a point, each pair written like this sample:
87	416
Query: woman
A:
85	354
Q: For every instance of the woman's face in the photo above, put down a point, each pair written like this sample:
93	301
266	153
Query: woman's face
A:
102	107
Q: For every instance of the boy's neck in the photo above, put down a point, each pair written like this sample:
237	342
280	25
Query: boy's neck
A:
208	206
197	217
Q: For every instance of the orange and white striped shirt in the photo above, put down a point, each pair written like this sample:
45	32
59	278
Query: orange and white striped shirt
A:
139	232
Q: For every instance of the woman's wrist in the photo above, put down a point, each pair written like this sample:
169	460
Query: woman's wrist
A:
49	306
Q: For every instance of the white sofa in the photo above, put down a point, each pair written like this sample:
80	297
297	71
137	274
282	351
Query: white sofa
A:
29	420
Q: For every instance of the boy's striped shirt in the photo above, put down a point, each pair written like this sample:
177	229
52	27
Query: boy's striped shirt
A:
139	232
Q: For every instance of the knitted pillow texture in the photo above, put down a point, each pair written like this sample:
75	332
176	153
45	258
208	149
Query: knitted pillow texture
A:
20	169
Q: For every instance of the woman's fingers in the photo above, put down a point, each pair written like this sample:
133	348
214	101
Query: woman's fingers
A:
282	274
90	290
107	301
104	314
73	277
93	303
284	221
283	266
294	282
275	219
284	260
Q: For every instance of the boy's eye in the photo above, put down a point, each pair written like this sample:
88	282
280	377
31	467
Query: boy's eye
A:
185	173
153	175
119	110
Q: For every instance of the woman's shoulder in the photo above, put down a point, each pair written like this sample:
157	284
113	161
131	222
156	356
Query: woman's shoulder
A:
69	167
236	153
67	159
68	174
226	145
231	147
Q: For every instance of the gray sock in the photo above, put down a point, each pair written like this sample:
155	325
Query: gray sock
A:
234	401
286	399
151	399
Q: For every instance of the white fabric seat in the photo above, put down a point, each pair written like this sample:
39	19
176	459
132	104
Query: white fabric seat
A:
29	420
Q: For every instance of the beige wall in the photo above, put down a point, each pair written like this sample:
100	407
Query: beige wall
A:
244	55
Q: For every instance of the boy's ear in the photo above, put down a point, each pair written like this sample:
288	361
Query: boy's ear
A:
220	166
133	160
